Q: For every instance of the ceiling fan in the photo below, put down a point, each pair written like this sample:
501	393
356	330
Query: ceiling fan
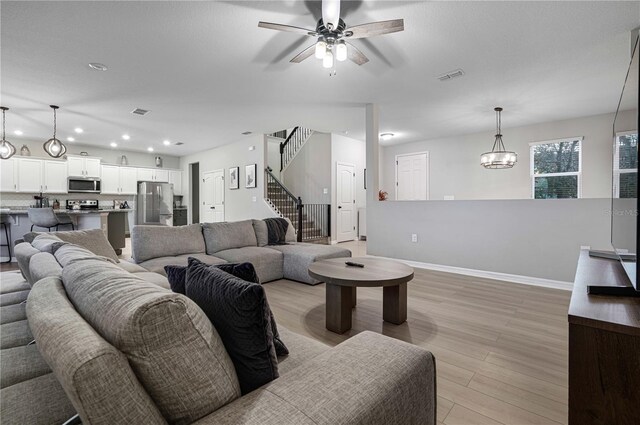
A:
333	33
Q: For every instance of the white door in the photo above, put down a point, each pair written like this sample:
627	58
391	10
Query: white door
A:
212	197
346	202
110	180
29	175
8	175
145	174
75	166
55	177
128	181
92	167
412	177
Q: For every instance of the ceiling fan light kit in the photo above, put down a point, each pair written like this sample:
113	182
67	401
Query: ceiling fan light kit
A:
54	147
7	150
332	33
499	157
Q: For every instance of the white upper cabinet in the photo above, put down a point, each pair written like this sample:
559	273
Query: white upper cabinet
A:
162	176
153	175
128	181
175	177
55	177
79	166
8	175
29	175
110	180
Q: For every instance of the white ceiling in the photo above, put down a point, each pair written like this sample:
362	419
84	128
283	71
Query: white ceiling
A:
208	73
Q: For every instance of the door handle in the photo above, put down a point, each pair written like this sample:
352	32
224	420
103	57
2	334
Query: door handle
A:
213	208
339	207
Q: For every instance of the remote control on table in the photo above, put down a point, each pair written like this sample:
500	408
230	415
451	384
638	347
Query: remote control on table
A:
351	263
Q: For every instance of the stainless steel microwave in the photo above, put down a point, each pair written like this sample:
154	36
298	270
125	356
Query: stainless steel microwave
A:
84	185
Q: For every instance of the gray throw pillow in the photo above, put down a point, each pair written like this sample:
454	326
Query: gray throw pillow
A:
240	313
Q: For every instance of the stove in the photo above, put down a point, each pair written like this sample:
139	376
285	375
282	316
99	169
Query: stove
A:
83	204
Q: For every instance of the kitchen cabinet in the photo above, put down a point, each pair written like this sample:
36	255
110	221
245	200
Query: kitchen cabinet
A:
8	175
80	166
29	175
153	175
119	180
55	177
175	177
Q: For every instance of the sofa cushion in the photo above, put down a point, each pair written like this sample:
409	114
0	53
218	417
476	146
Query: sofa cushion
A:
43	242
155	278
221	236
262	234
149	242
96	377
12	313
171	345
131	267
67	252
15	334
13	281
38	401
301	349
240	313
177	276
267	262
20	364
23	253
299	256
93	239
157	265
291	232
13	297
44	265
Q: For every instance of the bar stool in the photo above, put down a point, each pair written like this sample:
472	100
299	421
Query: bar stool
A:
45	217
5	221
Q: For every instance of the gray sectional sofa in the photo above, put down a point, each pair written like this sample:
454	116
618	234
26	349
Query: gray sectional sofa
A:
154	247
114	346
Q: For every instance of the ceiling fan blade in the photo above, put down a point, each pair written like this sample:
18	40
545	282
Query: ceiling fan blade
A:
375	28
356	56
287	28
309	51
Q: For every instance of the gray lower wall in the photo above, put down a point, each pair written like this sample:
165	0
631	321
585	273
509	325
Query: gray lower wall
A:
537	238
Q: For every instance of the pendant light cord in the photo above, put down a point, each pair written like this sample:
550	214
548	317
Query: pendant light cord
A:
3	123
54	123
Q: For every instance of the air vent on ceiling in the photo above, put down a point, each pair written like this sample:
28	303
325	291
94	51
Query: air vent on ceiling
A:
246	133
178	143
451	74
139	111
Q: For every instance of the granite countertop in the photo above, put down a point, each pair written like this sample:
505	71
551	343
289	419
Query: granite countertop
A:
23	211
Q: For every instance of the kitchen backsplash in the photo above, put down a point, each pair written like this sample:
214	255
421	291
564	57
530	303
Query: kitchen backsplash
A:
26	199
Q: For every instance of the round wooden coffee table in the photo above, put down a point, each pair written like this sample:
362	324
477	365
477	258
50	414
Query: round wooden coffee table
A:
342	280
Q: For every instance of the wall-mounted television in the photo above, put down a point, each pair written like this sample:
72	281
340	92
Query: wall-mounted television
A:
624	194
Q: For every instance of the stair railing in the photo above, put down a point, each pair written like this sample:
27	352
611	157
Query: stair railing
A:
292	144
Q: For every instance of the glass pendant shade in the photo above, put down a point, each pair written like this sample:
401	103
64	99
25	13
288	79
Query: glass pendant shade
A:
7	150
499	157
327	61
54	147
341	51
321	49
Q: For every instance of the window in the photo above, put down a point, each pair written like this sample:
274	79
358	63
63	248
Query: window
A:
556	168
625	166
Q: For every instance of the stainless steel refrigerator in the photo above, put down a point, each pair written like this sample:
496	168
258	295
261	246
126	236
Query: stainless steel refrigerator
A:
155	204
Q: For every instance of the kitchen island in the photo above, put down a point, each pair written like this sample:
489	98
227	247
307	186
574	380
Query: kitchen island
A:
110	220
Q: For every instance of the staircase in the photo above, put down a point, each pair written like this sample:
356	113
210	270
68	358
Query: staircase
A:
292	145
311	221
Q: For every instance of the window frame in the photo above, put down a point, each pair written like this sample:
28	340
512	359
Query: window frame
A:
616	162
578	173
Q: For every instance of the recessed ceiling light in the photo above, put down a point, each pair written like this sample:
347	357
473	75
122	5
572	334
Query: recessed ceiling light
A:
113	144
70	139
78	130
386	136
125	137
98	66
18	133
166	143
150	149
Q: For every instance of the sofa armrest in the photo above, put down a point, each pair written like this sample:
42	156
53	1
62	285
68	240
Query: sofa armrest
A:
368	379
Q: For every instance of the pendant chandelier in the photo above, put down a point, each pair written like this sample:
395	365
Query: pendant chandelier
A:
54	147
6	149
499	157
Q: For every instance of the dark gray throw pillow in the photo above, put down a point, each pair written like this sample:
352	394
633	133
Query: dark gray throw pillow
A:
240	313
177	276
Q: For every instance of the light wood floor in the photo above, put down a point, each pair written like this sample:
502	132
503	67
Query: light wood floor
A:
500	347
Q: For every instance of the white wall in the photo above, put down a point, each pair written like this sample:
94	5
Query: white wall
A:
239	204
309	173
351	151
273	154
454	162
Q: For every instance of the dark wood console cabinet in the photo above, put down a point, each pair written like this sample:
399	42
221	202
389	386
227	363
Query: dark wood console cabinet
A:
604	348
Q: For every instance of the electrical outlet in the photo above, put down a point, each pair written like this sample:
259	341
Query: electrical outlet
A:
414	237
254	199
325	191
585	247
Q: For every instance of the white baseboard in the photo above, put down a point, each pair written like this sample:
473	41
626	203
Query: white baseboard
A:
525	280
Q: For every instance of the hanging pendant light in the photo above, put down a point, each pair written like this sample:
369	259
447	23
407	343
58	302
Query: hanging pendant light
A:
499	157
54	147
6	149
